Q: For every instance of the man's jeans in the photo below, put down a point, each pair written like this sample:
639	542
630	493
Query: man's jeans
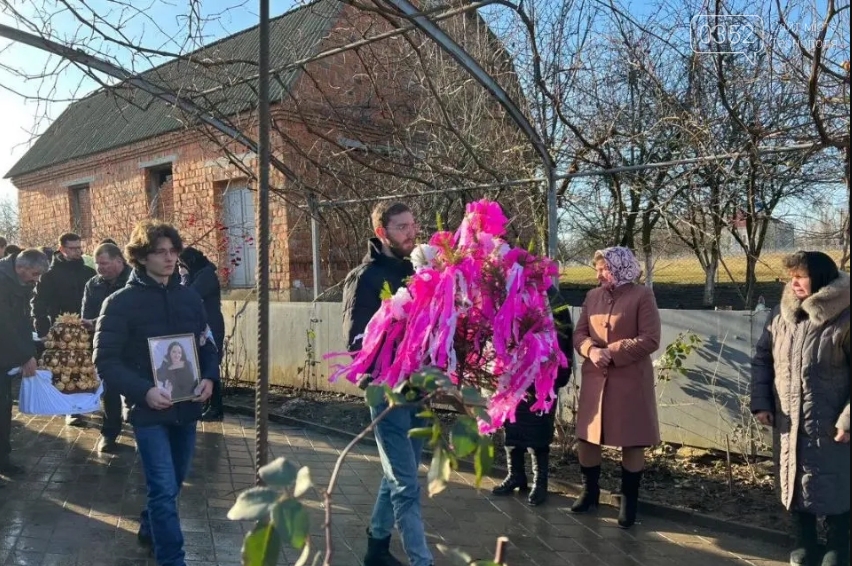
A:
166	452
399	494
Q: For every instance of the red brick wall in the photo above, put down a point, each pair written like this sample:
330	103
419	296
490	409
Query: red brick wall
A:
336	95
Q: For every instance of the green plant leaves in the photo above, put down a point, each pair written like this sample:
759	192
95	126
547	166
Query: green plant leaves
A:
421	433
464	436
279	473
386	292
253	504
303	482
439	472
291	519
375	395
483	460
472	396
261	547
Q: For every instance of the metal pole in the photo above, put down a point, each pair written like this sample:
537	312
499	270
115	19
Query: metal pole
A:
552	215
262	389
315	244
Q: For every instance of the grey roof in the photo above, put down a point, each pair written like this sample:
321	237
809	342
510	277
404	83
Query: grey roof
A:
110	118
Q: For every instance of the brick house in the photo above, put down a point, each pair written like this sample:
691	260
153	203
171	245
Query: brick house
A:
120	155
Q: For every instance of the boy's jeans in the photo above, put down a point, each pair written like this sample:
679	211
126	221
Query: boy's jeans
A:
166	452
399	495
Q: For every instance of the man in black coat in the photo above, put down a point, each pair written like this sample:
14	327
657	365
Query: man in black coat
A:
387	266
18	274
153	305
202	278
60	290
113	274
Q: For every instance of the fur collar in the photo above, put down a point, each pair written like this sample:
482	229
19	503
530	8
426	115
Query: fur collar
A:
823	307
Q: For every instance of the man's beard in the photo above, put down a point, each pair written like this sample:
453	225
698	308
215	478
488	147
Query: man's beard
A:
399	251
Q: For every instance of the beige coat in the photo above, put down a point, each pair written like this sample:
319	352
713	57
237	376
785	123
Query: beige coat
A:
618	404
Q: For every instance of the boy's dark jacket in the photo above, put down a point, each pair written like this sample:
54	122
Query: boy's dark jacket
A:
129	317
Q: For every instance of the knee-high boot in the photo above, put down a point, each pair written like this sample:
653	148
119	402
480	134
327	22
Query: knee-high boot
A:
541	469
517	477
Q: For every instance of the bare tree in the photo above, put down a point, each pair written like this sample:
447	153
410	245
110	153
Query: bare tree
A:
9	224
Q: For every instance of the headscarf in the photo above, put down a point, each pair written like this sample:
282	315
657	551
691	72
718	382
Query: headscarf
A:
622	264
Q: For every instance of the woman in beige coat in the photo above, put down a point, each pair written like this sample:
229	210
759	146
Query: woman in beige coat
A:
618	330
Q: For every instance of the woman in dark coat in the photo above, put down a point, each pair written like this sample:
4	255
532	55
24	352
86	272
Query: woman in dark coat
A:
534	432
800	386
202	277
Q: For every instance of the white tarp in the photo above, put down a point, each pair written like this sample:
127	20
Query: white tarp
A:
40	397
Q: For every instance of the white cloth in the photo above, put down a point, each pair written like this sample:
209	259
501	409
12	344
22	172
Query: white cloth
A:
40	397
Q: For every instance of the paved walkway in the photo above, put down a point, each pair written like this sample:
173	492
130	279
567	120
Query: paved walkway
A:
75	507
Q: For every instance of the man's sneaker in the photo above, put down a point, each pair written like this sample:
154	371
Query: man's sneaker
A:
107	445
145	541
74	420
10	470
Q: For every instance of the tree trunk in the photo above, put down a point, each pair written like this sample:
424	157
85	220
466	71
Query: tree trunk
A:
751	280
710	283
649	267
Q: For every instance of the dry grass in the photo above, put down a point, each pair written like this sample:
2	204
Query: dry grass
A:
687	270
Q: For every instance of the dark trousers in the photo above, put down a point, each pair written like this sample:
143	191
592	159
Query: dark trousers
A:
5	416
111	426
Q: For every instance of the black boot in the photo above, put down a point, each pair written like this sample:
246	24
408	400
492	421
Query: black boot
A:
214	412
630	482
517	478
541	471
837	544
805	539
591	495
378	553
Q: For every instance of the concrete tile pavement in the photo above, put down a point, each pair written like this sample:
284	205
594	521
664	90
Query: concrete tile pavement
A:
76	507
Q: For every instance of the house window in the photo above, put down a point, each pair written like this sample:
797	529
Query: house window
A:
159	192
80	201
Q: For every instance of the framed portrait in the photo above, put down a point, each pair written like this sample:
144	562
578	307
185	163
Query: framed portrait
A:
174	361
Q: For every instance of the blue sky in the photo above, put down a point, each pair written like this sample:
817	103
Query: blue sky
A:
159	25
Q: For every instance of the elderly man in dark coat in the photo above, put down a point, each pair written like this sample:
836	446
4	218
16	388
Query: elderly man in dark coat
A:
18	274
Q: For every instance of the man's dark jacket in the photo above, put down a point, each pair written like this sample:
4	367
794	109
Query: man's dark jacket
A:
203	280
98	289
362	289
59	291
148	309
16	331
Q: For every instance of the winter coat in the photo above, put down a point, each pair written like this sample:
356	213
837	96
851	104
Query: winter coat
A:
534	430
362	289
203	280
146	309
59	291
98	289
618	404
800	374
16	331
